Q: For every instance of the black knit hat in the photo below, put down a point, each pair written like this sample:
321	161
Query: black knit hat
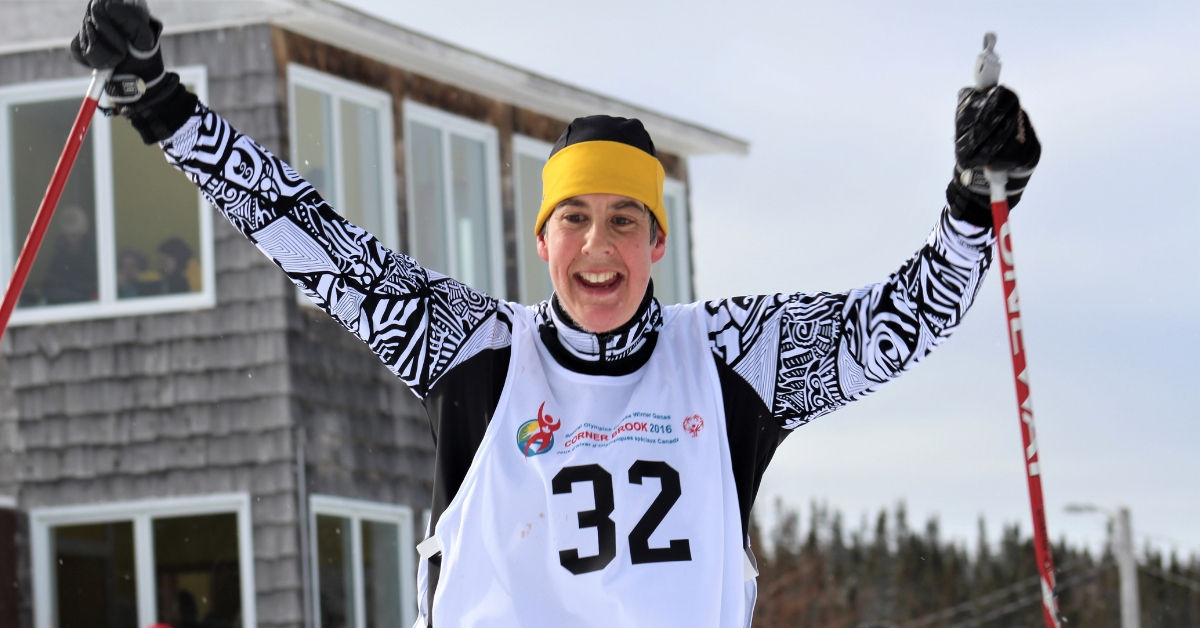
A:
606	128
603	154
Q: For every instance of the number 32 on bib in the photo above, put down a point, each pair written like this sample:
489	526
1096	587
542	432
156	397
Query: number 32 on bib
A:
640	551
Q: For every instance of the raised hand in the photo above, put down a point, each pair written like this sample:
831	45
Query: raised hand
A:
993	131
123	36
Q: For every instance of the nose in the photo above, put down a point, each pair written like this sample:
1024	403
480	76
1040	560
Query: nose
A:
597	241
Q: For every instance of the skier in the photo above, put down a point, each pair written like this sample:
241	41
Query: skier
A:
549	419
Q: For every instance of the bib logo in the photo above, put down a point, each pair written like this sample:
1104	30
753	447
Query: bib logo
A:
693	424
537	436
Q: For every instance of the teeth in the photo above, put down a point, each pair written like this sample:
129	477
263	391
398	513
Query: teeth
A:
599	277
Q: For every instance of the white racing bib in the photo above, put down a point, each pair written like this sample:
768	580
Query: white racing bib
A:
598	501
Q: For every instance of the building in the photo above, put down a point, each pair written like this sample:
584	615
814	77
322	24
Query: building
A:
182	440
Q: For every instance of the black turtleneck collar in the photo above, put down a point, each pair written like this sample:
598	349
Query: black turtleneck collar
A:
617	352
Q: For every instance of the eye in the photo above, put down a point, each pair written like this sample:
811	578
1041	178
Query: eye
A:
574	218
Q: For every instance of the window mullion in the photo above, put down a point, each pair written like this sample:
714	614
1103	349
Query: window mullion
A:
356	569
102	166
495	220
387	176
408	569
143	554
45	610
245	528
315	563
451	229
683	249
8	213
409	236
293	141
335	149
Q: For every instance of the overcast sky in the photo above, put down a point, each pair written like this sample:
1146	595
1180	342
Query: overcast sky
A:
849	108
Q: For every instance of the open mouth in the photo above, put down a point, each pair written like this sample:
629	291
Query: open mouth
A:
598	281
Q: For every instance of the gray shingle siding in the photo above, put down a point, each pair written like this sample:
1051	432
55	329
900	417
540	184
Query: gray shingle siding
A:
10	434
144	398
368	436
208	401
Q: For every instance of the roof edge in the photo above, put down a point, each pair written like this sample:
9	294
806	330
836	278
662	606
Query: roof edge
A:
361	33
400	46
60	42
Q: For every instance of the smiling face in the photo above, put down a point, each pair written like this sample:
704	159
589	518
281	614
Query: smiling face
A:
600	251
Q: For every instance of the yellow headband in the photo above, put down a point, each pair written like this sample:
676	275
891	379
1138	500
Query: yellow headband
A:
602	167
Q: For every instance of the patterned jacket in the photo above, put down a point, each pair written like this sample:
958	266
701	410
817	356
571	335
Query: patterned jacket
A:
783	359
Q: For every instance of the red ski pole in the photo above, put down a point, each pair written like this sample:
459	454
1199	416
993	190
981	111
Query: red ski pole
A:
46	210
987	75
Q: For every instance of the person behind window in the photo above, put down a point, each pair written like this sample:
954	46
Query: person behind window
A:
188	613
173	257
131	267
224	598
71	272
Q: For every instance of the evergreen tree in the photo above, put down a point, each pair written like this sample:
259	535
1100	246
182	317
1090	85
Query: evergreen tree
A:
888	575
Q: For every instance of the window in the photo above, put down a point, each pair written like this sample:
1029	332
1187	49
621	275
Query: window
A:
181	562
130	235
364	572
454	197
342	144
673	273
529	157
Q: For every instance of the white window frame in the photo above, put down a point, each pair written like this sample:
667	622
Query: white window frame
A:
356	510
479	131
142	513
530	147
678	240
339	89
108	305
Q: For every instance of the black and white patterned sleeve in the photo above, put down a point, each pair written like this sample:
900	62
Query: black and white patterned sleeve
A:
420	323
809	354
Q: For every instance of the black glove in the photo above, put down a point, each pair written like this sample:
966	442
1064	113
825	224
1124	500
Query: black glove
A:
991	130
121	35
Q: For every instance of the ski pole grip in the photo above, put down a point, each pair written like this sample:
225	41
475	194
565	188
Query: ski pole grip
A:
987	76
997	183
987	64
99	80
